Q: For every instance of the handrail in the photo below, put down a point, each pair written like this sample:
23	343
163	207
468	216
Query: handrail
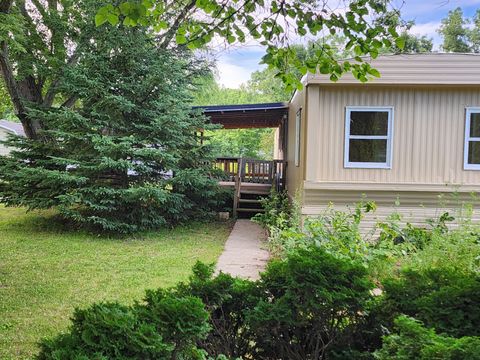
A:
254	171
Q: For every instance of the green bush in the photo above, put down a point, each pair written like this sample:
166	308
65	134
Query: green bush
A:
228	300
312	301
413	341
278	211
107	331
181	320
166	327
444	298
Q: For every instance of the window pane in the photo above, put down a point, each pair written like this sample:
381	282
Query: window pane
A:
475	125
369	123
374	151
474	152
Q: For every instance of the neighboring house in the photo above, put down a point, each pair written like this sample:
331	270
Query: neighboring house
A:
409	140
9	127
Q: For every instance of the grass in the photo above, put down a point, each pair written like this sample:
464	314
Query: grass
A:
46	271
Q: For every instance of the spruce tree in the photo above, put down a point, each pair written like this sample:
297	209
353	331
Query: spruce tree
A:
127	156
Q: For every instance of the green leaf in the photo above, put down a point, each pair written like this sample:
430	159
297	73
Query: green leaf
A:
181	39
374	72
100	19
112	19
400	42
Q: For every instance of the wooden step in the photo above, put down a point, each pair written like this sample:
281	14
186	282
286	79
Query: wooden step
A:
254	192
250	210
250	201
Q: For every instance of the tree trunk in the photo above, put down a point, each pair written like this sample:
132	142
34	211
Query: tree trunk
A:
27	90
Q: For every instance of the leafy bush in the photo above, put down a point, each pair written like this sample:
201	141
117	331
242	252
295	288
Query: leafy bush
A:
444	298
281	219
312	301
278	211
228	300
413	341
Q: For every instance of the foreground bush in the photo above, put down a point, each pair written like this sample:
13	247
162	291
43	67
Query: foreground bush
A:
107	331
302	308
313	301
446	299
413	341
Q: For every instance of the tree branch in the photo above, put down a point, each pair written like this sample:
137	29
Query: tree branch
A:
168	36
52	91
70	102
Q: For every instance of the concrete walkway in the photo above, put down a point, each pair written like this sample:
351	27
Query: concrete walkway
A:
244	255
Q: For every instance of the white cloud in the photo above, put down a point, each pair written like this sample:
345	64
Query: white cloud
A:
234	66
428	29
232	75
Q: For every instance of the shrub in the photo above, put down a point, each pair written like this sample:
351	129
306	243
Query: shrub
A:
278	211
281	219
312	300
107	331
443	298
181	320
413	341
227	300
166	327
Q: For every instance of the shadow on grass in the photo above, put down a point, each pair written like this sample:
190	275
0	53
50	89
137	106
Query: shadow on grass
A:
49	222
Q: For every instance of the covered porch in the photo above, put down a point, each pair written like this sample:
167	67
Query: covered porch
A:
252	178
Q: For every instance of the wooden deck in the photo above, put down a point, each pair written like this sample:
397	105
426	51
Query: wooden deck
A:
251	180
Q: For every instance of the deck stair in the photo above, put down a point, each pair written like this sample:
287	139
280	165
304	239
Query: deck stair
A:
249	199
248	195
251	180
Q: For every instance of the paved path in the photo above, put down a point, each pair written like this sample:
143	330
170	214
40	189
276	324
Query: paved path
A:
244	255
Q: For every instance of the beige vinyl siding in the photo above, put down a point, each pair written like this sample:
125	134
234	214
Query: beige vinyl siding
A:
295	174
414	207
438	69
3	136
428	136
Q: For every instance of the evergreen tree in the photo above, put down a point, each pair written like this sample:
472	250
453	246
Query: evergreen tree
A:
125	158
454	32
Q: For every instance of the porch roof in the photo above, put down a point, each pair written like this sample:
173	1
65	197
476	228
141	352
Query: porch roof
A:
246	116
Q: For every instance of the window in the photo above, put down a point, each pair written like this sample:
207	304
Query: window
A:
298	127
368	137
471	159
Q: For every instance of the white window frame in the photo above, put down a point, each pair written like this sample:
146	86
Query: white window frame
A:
388	137
468	139
298	133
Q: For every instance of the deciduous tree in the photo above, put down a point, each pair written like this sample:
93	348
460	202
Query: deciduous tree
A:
455	32
274	24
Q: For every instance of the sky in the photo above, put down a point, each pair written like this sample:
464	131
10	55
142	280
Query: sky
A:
234	66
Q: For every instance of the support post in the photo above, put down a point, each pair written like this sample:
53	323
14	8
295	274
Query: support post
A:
238	185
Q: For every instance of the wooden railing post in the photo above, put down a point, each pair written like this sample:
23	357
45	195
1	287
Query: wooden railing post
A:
238	185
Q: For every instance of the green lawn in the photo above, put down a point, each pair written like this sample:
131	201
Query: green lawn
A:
46	271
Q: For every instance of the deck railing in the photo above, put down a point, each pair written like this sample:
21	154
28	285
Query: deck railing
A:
254	171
